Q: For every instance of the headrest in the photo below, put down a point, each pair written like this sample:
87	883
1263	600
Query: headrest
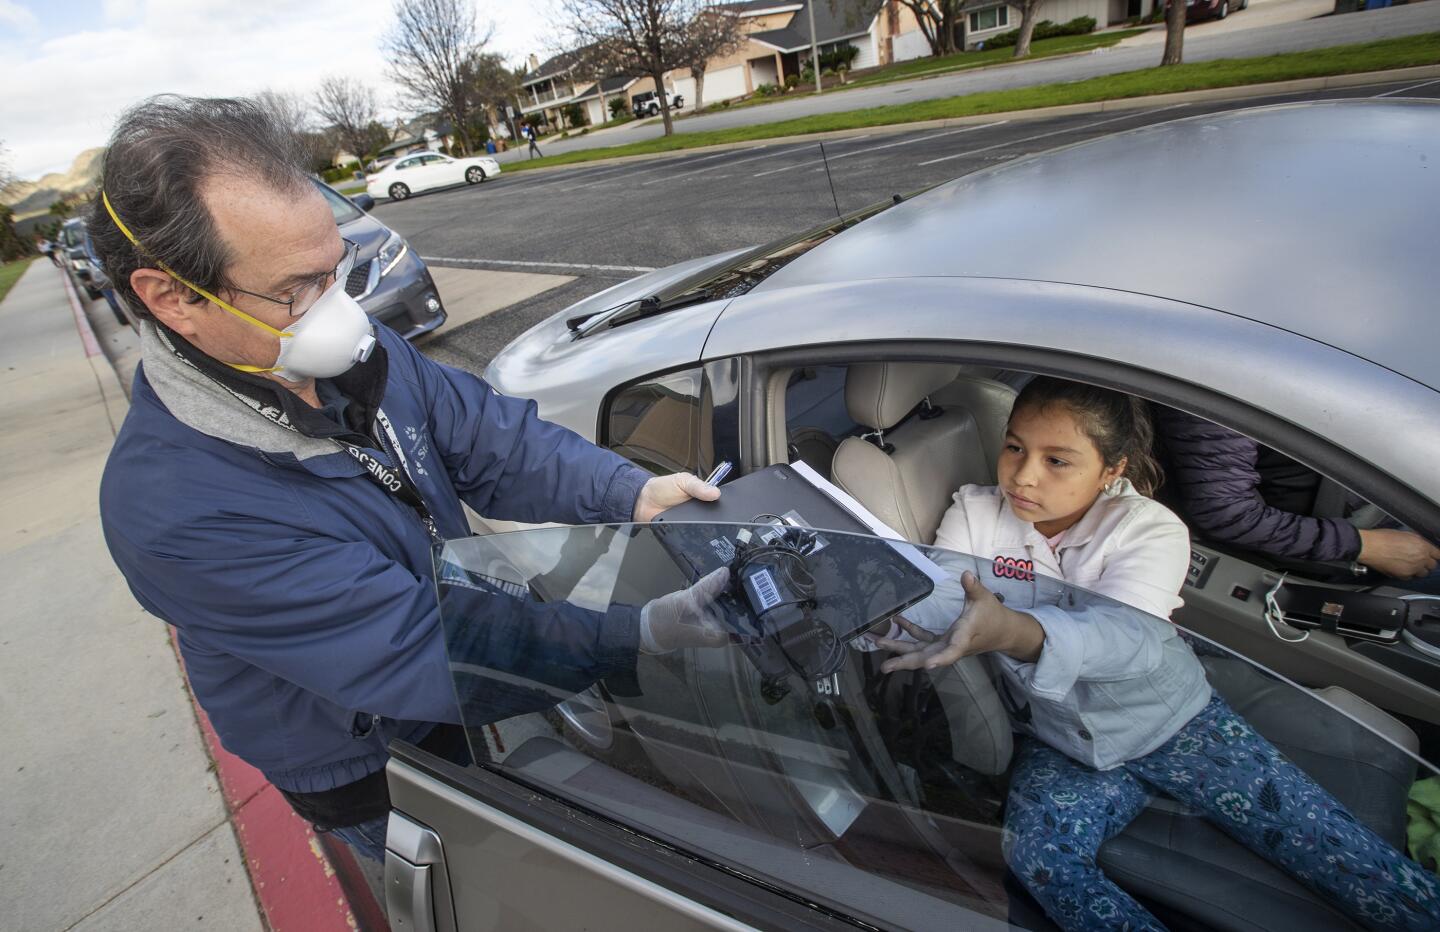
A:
880	394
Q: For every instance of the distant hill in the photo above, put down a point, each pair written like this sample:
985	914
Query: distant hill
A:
35	197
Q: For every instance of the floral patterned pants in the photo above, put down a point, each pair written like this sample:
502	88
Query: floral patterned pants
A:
1060	812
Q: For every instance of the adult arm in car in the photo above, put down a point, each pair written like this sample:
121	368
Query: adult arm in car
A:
1213	473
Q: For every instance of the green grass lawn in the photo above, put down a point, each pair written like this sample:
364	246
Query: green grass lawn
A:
10	273
1231	72
932	67
963	61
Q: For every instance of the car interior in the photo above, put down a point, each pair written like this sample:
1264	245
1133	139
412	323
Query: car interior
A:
891	788
901	437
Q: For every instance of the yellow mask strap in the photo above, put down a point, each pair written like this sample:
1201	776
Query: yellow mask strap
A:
105	199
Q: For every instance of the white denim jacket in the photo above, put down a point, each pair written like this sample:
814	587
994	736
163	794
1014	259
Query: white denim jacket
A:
1114	679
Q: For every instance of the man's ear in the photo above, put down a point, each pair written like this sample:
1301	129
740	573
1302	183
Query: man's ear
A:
166	299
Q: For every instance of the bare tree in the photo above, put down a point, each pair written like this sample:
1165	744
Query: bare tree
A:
938	20
349	107
288	109
492	84
431	48
712	33
634	37
1174	34
1029	13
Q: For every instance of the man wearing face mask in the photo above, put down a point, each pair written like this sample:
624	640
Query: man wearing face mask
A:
286	467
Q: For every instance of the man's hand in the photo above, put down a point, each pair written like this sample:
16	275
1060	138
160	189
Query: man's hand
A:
687	618
1398	554
985	625
668	491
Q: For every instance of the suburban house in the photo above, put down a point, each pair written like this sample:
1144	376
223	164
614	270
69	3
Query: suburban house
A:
777	42
983	20
549	87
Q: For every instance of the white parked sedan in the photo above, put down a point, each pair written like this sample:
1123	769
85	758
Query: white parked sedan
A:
422	171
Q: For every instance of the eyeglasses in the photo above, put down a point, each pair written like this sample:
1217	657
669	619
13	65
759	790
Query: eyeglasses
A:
303	297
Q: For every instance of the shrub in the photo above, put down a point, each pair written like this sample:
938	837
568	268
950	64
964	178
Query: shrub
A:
344	173
790	82
1079	26
766	90
618	108
843	57
575	115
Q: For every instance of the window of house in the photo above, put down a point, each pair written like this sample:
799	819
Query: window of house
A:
993	17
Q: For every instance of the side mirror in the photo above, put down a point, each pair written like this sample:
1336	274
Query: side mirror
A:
363	201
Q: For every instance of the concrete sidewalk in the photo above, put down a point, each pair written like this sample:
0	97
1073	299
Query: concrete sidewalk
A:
112	818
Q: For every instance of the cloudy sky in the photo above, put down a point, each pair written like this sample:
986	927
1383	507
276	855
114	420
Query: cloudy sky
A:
68	67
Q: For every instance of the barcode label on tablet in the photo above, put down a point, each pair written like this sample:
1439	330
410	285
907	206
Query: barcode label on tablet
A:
763	585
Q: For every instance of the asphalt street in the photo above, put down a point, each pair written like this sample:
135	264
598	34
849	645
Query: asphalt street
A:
606	223
1202	43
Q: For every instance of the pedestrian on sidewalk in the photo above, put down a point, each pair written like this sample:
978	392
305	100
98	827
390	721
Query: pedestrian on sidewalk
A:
534	150
287	466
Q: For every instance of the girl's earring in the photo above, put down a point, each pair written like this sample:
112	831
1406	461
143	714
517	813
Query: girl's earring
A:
1112	486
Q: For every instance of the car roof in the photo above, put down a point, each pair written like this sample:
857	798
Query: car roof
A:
1318	218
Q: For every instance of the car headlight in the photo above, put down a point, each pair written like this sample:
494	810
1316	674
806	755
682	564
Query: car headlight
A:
392	252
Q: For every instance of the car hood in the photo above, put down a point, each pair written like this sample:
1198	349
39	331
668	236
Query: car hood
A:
567	376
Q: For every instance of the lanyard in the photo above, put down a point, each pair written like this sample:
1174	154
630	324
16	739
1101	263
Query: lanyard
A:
397	482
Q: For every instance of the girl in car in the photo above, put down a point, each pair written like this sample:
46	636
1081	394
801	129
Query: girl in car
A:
1113	703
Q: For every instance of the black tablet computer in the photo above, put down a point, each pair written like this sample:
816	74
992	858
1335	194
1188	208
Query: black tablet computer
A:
859	579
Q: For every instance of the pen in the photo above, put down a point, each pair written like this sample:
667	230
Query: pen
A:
719	474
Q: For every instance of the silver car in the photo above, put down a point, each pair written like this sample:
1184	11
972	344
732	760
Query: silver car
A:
1271	270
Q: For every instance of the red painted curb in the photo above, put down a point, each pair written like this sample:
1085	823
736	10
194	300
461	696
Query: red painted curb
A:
87	335
295	881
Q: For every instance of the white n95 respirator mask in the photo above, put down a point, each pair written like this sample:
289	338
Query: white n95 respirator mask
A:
327	340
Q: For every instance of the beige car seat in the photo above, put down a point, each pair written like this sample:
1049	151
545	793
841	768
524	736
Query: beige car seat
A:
905	472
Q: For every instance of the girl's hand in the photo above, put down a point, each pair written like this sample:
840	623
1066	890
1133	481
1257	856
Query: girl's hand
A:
985	625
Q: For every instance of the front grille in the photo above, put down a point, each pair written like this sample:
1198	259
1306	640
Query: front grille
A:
359	278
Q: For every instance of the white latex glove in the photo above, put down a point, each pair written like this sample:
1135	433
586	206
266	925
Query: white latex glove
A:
687	618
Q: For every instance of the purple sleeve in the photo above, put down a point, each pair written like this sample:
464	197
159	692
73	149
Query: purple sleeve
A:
1214	475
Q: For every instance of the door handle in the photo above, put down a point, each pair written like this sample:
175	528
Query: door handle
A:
417	887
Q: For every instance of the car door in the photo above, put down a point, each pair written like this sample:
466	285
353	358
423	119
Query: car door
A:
410	171
435	170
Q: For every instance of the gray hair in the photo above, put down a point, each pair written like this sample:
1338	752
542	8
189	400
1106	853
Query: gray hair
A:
161	153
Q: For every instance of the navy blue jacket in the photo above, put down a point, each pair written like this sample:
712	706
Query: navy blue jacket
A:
302	592
1233	491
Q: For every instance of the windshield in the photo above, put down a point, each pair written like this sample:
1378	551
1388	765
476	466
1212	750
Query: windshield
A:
713	686
340	207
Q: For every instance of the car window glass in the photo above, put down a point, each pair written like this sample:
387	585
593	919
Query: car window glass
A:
661	424
788	756
340	207
407	163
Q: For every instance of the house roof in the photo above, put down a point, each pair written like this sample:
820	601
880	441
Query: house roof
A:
613	85
832	23
553	66
756	7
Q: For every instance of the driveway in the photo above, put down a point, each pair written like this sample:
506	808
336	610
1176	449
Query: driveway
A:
1202	43
1260	14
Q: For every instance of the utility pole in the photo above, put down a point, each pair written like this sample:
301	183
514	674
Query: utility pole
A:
814	49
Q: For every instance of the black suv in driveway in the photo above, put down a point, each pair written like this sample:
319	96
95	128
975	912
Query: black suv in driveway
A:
389	280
